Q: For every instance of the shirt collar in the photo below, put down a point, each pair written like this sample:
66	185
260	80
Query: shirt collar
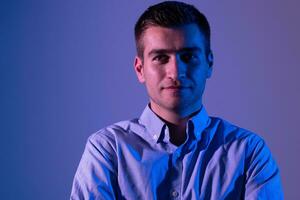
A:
155	126
200	121
152	123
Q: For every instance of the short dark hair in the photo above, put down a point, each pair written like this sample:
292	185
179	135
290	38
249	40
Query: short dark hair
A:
170	14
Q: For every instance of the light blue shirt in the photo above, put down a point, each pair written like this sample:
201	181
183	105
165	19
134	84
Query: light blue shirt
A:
135	160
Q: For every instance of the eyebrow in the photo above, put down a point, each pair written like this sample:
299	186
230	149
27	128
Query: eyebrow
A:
167	51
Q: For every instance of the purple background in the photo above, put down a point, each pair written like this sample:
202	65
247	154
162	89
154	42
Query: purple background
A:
67	71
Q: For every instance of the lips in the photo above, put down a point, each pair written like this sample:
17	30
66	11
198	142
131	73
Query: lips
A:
175	87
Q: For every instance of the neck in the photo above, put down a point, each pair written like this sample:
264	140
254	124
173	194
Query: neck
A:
177	133
169	117
175	121
173	116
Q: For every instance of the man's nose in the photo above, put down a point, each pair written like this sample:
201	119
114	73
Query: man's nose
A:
176	68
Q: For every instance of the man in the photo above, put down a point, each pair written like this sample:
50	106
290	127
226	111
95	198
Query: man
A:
175	150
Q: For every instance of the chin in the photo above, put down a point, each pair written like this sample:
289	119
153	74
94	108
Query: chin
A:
187	108
176	107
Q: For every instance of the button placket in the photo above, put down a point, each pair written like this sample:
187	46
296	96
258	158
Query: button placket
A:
174	194
177	161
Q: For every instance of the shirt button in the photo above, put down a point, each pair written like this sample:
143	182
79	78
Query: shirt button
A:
174	194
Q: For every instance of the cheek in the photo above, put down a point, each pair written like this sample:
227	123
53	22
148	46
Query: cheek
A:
199	78
155	74
200	72
153	81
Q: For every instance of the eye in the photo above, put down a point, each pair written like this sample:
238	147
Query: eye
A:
189	57
161	58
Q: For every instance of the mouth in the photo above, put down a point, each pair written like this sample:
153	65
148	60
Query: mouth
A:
175	88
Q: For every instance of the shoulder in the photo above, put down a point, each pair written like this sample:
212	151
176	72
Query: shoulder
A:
117	129
242	144
232	134
110	135
262	179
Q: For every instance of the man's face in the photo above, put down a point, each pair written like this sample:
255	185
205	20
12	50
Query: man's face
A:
174	68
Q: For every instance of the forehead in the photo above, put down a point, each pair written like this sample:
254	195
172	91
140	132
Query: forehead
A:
174	39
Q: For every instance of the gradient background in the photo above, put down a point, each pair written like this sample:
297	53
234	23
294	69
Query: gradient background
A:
66	70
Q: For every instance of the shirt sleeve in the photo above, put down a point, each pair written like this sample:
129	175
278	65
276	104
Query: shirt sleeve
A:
96	176
262	175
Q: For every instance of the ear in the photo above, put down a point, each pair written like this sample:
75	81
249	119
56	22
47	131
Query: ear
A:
139	70
210	60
